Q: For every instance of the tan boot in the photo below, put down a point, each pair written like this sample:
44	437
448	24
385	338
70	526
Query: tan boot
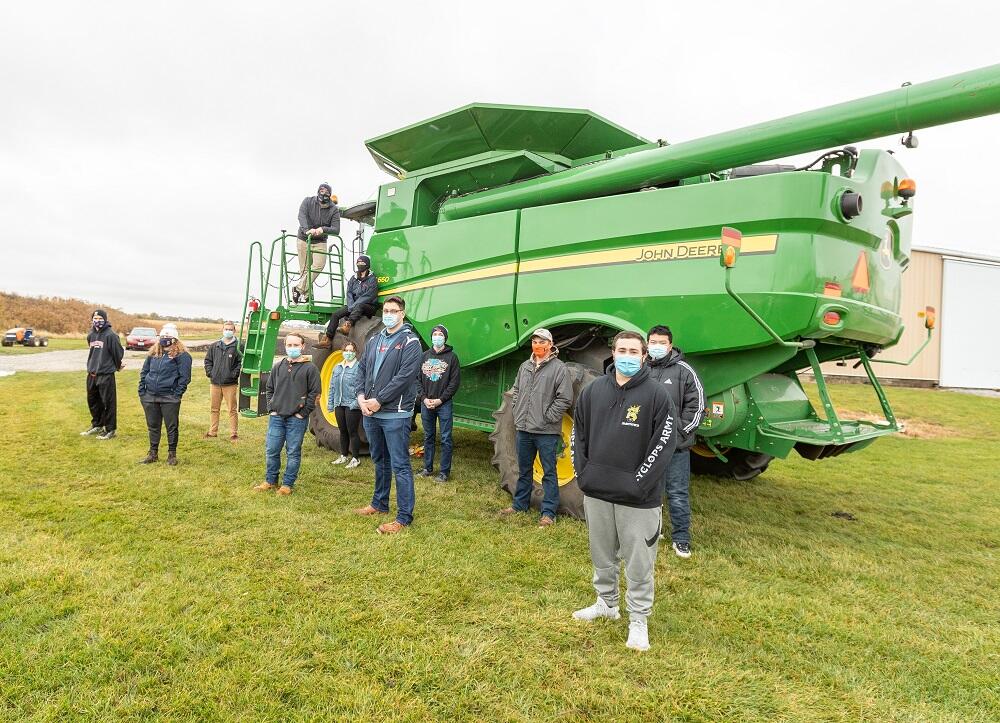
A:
284	490
264	487
368	510
391	528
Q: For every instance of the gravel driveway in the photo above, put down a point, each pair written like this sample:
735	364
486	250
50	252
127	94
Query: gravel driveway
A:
73	360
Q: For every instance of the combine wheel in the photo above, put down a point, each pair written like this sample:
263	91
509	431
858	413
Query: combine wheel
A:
504	438
740	464
323	424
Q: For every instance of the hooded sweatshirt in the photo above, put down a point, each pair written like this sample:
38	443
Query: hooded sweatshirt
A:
312	214
106	353
292	388
623	439
685	390
440	374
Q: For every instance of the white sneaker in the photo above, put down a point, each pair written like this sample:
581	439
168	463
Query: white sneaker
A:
599	609
682	549
638	635
352	464
340	460
92	431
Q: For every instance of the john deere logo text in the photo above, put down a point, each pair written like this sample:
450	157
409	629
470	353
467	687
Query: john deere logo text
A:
707	248
632	415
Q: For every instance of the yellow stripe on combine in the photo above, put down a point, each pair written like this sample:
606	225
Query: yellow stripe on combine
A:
678	251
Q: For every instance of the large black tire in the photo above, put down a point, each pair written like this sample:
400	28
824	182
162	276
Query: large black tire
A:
740	464
504	438
322	423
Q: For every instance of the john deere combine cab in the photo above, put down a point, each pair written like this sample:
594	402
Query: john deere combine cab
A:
501	219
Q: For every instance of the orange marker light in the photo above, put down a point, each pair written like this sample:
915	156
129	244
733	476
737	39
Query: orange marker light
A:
275	315
907	188
731	242
860	281
831	318
930	317
729	256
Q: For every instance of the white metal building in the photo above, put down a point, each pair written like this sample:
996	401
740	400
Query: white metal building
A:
965	349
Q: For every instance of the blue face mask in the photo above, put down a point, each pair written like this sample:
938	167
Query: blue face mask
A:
166	341
390	320
349	356
293	352
628	366
228	334
657	351
437	340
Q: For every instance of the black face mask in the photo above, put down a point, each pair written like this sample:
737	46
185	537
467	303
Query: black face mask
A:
362	269
324	199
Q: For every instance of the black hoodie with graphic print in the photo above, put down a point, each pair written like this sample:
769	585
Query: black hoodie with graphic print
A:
623	439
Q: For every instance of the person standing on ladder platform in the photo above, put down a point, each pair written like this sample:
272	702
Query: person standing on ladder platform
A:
362	293
319	217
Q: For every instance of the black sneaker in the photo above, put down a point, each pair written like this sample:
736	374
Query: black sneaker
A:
441	478
295	296
425	473
110	434
682	549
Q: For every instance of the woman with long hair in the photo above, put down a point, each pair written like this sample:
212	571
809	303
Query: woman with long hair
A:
342	402
163	380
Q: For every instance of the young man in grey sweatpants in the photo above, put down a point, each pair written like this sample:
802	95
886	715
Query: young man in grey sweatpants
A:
623	439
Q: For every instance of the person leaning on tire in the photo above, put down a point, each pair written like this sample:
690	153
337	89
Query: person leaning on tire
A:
223	362
104	358
624	433
163	380
344	405
542	393
667	366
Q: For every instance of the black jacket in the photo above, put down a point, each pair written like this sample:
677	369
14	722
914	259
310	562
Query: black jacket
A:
623	438
223	363
106	353
685	390
163	376
313	215
440	374
361	291
292	388
394	385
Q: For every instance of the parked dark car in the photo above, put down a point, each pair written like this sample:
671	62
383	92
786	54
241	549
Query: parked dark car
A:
141	338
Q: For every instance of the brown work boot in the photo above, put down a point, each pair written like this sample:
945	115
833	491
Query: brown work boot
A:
150	457
234	437
508	511
391	528
367	511
210	436
546	521
264	487
284	490
345	327
172	459
324	342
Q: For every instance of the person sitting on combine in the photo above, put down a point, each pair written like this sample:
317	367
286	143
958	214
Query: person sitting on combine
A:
624	432
386	390
440	376
163	380
362	294
319	217
223	362
667	365
292	389
344	405
103	359
543	392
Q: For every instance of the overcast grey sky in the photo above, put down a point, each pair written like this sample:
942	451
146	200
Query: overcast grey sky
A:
143	145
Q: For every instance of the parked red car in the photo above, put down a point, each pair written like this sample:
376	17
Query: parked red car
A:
141	338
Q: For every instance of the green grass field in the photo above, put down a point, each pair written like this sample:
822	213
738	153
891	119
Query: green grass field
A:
129	592
55	344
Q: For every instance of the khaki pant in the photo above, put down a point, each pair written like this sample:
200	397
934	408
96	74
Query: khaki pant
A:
318	264
230	393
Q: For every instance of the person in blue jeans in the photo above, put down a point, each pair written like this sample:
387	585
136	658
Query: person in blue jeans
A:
293	387
440	376
543	392
385	387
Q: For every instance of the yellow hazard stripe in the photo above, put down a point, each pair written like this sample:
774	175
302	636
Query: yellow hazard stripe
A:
678	251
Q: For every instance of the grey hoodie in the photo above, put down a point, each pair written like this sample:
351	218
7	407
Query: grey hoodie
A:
542	395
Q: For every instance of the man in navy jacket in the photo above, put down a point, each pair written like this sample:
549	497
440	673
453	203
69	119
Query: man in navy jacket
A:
385	387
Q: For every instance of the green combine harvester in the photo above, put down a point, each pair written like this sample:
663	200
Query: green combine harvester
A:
501	219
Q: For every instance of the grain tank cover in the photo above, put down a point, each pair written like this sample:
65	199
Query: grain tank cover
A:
482	128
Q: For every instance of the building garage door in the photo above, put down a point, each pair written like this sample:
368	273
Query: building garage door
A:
970	342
